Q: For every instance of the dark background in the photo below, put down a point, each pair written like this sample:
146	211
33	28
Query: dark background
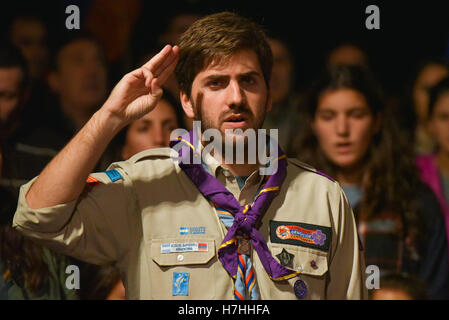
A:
409	30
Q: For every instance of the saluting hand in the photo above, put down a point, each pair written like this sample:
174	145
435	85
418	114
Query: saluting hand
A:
138	92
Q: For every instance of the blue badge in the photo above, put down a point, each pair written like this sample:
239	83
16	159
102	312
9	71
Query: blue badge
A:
180	284
114	175
183	231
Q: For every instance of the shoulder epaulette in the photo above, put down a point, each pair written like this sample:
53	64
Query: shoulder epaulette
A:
153	153
307	167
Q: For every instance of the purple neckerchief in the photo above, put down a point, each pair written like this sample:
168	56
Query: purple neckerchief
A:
213	190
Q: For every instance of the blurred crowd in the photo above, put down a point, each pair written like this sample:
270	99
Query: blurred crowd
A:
390	154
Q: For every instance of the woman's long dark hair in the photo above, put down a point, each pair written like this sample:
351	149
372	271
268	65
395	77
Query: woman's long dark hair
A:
390	177
23	258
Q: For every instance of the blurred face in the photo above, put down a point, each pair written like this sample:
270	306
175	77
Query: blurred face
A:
280	81
391	294
344	126
9	91
229	95
30	37
439	122
81	79
428	77
347	55
177	27
151	131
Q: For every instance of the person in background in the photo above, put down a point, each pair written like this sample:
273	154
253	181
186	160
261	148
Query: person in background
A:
101	283
434	167
399	287
29	34
285	112
347	54
27	270
79	79
17	166
151	131
416	104
176	24
14	87
349	134
113	24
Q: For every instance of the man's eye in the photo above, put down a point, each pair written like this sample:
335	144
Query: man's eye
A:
215	83
248	80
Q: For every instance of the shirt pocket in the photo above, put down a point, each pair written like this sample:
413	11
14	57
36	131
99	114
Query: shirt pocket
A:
197	267
312	263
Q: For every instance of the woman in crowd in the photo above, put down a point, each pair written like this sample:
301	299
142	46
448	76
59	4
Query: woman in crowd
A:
434	167
349	135
151	131
415	106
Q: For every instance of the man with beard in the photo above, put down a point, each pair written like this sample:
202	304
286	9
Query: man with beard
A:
179	229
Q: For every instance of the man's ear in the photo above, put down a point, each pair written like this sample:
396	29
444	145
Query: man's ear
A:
187	105
53	81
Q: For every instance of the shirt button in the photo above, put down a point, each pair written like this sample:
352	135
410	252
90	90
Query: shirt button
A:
180	257
299	268
313	264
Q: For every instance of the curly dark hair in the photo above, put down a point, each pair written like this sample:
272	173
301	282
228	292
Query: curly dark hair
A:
216	37
390	181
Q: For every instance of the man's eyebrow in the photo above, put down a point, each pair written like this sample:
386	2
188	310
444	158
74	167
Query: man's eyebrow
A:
215	77
225	76
250	73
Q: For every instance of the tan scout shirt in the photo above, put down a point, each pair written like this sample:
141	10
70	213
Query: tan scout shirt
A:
154	203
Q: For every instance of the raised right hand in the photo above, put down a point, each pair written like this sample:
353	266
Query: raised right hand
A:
138	92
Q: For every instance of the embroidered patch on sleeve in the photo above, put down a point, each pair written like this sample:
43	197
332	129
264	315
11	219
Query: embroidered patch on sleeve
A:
92	180
114	175
300	234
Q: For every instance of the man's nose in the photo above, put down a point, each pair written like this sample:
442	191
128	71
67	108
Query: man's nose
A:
235	94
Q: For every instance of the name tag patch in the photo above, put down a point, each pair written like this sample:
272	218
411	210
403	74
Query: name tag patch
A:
300	234
180	284
184	247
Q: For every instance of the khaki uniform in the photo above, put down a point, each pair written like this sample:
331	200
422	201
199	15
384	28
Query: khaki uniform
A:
154	203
